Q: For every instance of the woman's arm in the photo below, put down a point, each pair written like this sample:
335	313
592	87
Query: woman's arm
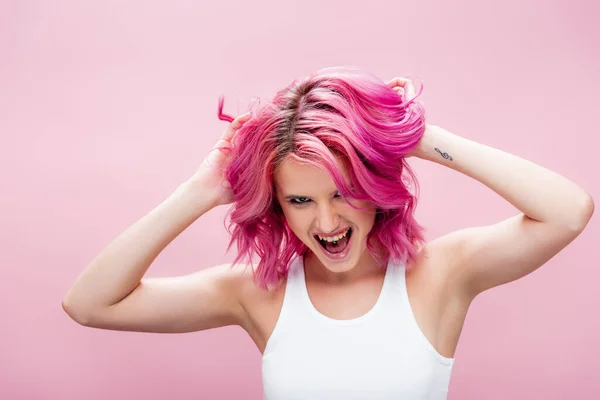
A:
541	194
117	270
111	292
554	212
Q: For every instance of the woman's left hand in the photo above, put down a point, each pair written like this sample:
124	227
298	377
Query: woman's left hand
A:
405	88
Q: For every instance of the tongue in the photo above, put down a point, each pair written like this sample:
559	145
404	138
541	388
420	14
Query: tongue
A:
341	245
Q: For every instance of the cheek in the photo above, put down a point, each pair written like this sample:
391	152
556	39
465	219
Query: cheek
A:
295	220
365	218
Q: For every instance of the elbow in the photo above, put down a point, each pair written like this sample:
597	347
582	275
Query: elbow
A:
584	214
76	315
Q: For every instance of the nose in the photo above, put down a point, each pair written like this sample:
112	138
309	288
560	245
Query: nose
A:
327	218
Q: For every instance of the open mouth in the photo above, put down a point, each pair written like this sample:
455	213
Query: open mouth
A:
338	246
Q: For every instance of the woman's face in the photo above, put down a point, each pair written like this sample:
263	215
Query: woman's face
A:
311	205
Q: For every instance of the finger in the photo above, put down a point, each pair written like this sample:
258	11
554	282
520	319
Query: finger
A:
392	83
410	90
398	81
234	126
407	85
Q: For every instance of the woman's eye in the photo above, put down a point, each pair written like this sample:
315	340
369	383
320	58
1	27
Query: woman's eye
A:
304	200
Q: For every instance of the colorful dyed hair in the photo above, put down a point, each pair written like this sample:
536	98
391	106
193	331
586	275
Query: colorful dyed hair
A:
338	113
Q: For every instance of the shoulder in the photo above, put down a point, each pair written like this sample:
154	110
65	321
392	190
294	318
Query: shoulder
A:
244	277
434	265
444	250
247	289
259	307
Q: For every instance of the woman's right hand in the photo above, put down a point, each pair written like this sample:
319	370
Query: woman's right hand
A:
210	174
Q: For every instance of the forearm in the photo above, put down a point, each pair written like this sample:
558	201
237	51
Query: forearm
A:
118	269
539	193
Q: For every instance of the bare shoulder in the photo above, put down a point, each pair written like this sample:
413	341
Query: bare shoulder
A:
261	307
432	270
439	255
250	292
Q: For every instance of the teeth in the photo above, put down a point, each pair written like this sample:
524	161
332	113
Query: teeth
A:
335	238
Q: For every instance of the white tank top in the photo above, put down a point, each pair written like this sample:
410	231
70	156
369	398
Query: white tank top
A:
380	355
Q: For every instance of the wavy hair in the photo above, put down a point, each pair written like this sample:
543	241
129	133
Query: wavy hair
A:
337	113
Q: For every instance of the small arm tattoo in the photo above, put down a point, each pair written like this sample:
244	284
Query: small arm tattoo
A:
445	155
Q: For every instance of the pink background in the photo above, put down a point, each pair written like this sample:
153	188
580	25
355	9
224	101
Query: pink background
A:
105	107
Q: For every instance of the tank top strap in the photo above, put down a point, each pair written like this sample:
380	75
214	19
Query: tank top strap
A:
397	284
293	309
399	301
295	281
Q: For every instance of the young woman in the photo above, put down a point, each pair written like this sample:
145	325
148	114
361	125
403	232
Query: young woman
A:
348	301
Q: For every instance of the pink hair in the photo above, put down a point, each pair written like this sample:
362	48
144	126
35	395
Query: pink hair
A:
335	113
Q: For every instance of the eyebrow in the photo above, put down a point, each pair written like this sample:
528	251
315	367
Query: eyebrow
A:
293	196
